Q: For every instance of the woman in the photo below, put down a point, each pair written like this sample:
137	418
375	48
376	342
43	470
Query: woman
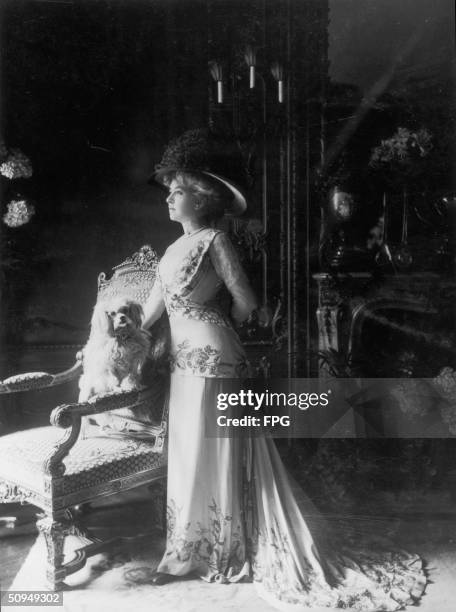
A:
232	509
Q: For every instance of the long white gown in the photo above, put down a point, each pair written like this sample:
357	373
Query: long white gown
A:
232	509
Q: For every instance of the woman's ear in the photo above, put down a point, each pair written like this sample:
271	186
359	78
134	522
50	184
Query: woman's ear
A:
101	323
136	313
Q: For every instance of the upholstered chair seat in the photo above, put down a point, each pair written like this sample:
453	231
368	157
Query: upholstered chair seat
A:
90	462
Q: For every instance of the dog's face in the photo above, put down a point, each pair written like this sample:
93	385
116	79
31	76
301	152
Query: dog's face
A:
117	318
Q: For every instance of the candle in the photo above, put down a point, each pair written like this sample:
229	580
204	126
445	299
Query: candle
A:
220	92
280	88
252	77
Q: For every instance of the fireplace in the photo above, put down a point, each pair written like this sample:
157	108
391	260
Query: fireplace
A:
395	326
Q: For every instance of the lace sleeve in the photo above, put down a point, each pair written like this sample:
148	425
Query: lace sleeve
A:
229	269
155	305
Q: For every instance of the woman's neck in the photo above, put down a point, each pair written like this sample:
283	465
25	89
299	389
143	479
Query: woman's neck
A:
192	225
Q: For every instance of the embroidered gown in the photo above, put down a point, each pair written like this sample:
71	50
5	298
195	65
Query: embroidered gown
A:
232	509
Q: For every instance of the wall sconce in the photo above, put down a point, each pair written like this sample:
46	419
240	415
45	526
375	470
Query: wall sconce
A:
277	73
217	75
250	60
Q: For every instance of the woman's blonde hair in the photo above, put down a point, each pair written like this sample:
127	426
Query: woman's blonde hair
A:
212	195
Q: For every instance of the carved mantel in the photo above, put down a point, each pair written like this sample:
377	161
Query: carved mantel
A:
345	301
336	293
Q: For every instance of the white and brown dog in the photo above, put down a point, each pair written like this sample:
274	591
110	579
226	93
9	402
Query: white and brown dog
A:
116	350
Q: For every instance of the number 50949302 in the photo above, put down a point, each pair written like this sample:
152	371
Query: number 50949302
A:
31	598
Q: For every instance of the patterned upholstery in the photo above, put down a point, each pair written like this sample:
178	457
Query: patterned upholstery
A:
90	462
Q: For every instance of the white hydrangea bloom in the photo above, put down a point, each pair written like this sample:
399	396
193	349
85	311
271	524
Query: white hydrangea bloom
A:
17	165
19	212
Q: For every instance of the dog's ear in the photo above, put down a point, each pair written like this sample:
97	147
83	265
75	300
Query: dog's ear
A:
136	313
100	323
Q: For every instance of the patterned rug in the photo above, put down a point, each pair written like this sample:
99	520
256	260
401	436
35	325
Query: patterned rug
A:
120	580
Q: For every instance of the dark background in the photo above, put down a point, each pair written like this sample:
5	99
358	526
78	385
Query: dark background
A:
366	36
92	92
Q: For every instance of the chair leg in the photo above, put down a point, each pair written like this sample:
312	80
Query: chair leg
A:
158	491
54	529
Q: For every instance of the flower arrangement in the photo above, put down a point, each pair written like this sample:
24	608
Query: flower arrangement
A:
403	153
19	212
14	164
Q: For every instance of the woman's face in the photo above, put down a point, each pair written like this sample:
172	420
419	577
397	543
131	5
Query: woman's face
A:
181	203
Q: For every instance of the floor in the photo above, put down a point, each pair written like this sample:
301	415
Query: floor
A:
106	520
429	529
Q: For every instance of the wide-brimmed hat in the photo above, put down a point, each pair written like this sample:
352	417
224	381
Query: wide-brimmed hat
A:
200	151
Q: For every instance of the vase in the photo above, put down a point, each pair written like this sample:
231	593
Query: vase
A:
339	248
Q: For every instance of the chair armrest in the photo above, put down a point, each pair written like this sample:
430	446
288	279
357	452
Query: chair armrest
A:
30	381
68	416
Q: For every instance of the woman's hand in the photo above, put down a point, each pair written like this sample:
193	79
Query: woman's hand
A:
264	316
261	316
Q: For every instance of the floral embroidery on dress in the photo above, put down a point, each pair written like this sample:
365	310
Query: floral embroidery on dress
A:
207	546
388	577
279	576
200	360
176	304
187	276
191	262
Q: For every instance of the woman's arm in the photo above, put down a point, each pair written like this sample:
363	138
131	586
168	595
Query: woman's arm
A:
155	305
228	267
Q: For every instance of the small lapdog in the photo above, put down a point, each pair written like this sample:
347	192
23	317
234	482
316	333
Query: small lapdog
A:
116	351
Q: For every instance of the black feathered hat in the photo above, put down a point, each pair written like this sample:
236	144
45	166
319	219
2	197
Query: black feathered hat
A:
200	151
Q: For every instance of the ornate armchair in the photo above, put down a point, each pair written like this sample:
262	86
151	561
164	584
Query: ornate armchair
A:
58	470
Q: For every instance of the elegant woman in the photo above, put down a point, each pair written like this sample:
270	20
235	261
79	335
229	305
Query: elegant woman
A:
232	509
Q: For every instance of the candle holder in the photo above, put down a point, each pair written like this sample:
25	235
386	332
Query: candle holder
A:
216	71
250	60
250	57
277	73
